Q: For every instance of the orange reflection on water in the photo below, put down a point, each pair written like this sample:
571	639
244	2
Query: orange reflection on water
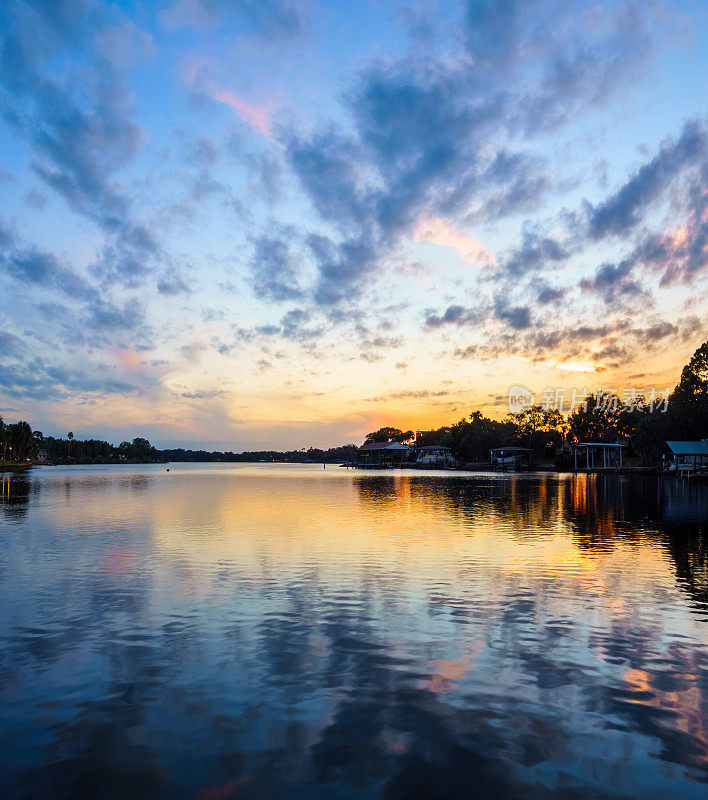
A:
446	674
686	704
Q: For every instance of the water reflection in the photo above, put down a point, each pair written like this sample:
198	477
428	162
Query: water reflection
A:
14	495
243	632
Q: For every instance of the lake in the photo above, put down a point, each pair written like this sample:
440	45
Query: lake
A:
283	631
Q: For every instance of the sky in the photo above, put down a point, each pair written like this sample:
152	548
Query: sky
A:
285	223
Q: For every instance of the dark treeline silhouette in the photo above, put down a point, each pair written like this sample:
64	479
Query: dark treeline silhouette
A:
346	452
18	444
95	451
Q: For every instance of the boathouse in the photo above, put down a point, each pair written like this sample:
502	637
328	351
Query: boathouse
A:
686	457
510	457
383	454
595	456
435	457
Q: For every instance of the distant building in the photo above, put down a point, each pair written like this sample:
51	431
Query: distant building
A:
598	455
435	457
42	456
686	457
510	457
383	454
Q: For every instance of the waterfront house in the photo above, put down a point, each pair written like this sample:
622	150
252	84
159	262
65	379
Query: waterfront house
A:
383	454
686	457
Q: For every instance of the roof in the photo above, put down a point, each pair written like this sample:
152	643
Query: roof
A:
384	446
599	444
510	449
689	448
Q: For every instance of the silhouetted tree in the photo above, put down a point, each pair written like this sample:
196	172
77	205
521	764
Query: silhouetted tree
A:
388	435
688	402
597	419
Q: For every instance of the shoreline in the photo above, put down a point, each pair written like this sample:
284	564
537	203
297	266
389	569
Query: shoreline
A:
488	471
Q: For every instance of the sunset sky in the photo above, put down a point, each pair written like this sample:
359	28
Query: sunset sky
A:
281	223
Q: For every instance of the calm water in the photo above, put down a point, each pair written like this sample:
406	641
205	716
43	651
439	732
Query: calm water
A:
262	631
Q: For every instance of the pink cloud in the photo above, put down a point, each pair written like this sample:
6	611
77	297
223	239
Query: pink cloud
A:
196	75
256	116
436	231
129	360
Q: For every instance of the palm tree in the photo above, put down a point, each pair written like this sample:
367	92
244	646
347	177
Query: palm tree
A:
69	436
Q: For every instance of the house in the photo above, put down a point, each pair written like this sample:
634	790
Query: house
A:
42	457
383	454
686	457
598	455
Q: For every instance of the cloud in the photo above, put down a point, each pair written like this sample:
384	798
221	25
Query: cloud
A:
455	315
274	266
436	231
77	120
430	135
621	212
205	394
128	316
36	200
7	237
172	283
413	394
342	266
268	169
41	380
518	317
30	266
656	332
679	255
269	18
535	253
548	295
328	165
256	116
129	359
383	343
470	351
199	77
613	281
10	345
293	326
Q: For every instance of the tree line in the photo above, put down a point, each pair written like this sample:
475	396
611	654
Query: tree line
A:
19	444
